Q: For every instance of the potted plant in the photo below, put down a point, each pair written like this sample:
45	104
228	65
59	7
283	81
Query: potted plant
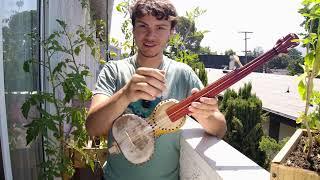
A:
63	104
300	158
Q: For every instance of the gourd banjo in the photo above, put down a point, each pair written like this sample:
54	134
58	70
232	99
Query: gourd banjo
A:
135	136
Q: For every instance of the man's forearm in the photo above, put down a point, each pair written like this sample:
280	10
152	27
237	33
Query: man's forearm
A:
104	111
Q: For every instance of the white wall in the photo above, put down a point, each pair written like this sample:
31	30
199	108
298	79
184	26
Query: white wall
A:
205	157
74	15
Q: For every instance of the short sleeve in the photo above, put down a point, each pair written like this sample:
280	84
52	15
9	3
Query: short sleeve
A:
106	83
194	81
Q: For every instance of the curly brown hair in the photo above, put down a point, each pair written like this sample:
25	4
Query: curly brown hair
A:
161	9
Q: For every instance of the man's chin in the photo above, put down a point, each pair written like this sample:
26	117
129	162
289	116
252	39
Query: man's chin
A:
149	55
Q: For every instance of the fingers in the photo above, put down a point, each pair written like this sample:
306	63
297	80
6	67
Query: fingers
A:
205	107
206	100
145	96
147	88
160	85
146	84
194	90
155	73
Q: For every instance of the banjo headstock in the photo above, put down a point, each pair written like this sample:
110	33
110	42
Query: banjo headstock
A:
286	43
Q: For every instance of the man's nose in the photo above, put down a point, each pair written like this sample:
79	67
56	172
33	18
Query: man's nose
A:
151	34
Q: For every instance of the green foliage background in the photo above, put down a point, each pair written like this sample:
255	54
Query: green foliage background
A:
243	113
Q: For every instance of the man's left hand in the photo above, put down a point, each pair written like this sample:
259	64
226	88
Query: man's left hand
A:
207	113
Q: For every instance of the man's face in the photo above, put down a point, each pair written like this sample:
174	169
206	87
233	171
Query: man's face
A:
151	35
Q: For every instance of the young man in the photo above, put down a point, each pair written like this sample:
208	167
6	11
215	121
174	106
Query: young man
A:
138	83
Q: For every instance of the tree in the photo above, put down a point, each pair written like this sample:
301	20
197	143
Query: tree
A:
271	147
188	32
281	61
229	52
295	63
207	51
243	113
257	51
185	47
17	48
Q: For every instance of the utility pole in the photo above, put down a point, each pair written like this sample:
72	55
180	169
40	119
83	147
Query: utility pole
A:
245	44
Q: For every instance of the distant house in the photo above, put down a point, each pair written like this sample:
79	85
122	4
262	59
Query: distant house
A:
279	96
222	61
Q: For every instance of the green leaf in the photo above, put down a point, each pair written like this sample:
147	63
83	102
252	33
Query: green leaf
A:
85	72
52	36
76	116
91	164
61	23
118	8
113	54
93	52
26	65
302	90
300	118
30	135
306	41
51	125
33	130
90	41
25	109
308	60
58	68
87	94
72	67
34	99
77	50
102	61
121	6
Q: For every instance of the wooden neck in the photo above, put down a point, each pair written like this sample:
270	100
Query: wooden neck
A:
179	110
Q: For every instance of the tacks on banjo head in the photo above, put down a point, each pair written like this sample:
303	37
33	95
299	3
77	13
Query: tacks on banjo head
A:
134	137
161	122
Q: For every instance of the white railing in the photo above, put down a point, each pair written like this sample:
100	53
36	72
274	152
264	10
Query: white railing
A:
206	157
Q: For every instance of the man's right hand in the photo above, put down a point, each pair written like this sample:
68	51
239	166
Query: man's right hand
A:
147	84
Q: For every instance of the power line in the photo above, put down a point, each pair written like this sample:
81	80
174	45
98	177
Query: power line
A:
245	44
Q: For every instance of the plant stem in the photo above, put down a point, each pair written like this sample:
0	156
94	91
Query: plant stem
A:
305	121
56	107
71	50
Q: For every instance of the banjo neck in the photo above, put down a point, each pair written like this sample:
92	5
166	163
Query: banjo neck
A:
180	109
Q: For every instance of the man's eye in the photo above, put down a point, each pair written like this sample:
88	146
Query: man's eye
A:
161	28
141	26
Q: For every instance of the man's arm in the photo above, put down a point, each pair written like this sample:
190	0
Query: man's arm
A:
146	84
103	111
207	113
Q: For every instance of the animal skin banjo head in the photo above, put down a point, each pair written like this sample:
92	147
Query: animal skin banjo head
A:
134	137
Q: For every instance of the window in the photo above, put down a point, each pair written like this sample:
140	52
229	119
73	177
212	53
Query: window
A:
20	19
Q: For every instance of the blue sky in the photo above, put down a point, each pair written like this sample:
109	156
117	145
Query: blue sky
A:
268	20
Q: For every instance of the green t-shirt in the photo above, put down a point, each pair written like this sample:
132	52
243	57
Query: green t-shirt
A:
164	164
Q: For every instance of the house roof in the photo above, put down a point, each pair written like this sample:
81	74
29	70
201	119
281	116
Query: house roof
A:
272	90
